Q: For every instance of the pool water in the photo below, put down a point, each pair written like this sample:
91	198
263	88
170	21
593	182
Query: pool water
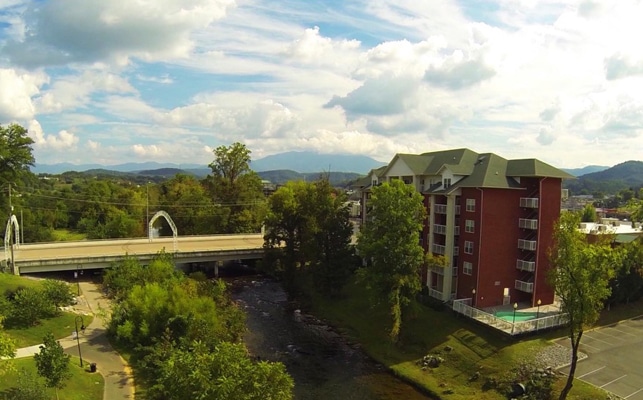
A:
520	315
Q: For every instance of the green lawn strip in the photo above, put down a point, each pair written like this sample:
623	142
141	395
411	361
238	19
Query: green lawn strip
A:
64	235
61	326
465	346
82	385
10	283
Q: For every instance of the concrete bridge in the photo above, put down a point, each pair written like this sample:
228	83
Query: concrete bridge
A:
98	254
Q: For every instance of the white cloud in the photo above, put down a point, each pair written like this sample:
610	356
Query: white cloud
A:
312	48
86	31
16	91
73	91
62	141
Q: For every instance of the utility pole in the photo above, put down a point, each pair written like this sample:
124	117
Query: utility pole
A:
147	209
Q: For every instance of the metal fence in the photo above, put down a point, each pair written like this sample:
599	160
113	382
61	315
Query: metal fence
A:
463	306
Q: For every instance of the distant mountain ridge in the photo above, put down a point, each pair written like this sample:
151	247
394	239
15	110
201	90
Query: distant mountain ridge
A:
585	170
302	162
610	181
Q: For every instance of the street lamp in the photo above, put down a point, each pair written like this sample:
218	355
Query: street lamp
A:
537	312
79	267
513	324
82	328
147	208
473	297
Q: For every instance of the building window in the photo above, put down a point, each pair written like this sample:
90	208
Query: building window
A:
468	247
467	268
446	182
469	225
471	205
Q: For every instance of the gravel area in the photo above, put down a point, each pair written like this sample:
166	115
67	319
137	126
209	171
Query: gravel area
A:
556	356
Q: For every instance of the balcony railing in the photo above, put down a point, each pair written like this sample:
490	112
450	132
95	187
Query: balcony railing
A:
442	229
529	202
527	244
527	287
442	209
435	293
528	223
438	249
529	266
442	250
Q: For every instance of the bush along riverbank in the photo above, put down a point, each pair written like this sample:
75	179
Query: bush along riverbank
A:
444	355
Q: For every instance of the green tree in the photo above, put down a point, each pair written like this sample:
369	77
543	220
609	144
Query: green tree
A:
286	226
7	348
29	306
389	242
234	185
580	277
57	292
589	214
191	207
16	154
224	373
330	249
28	387
52	363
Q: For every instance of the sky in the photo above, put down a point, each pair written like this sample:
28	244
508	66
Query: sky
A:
120	81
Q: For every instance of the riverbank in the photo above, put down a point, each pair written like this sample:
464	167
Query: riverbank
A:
322	363
474	362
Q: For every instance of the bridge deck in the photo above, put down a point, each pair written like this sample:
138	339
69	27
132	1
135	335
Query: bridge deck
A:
95	254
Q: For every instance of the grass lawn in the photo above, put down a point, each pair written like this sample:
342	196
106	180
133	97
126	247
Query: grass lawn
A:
466	347
82	385
61	326
65	235
10	282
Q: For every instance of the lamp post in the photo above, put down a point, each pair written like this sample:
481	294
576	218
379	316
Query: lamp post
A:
473	297
147	208
513	324
82	328
537	313
79	271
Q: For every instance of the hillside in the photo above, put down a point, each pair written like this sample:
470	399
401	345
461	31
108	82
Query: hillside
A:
313	163
610	181
585	170
280	177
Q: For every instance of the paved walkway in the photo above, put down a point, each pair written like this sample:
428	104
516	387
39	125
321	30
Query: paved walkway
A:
94	346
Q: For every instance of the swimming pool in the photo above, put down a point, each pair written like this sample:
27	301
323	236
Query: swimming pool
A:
520	315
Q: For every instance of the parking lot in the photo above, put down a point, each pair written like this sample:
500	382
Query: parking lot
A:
615	355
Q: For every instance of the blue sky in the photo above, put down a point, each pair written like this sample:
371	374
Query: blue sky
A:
169	80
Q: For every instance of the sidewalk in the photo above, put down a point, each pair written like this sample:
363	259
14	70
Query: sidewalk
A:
94	346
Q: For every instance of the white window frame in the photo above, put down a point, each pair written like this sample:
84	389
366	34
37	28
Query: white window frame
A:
471	205
468	247
467	268
469	226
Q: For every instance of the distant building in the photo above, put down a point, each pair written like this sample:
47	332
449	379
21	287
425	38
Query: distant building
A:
620	231
492	218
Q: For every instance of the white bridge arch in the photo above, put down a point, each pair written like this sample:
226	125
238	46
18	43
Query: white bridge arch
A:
167	217
9	234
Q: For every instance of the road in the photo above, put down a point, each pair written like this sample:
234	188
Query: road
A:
97	248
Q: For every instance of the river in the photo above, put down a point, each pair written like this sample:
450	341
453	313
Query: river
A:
322	364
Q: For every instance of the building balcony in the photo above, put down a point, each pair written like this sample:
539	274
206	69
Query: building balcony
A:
528	223
442	229
438	249
527	244
442	209
529	202
435	294
527	287
529	266
442	250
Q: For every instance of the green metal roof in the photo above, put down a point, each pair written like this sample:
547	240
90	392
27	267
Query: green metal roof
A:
530	167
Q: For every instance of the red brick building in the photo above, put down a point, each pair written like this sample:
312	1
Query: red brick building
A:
491	218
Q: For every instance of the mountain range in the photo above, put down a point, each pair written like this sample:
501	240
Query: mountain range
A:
303	162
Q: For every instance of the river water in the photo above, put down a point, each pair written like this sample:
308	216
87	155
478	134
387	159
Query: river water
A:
323	365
